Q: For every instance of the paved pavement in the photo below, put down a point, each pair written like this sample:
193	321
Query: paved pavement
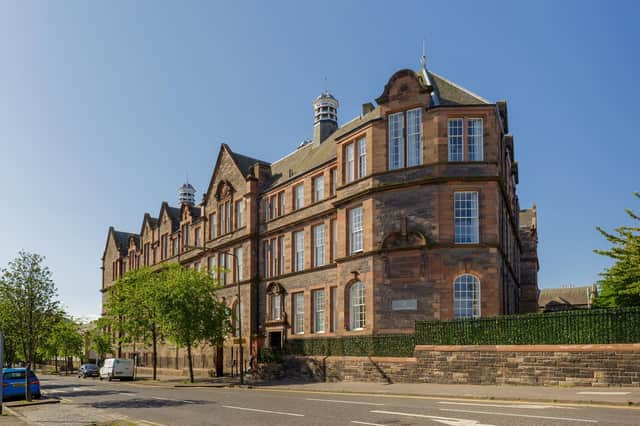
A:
89	400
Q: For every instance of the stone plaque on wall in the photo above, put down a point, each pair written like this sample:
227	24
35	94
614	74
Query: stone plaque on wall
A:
404	304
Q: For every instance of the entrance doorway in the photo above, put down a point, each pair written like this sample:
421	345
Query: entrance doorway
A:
275	340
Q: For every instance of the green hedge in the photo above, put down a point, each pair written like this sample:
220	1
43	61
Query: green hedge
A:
620	325
381	345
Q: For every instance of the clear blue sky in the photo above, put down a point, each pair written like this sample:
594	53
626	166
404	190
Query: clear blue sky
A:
104	107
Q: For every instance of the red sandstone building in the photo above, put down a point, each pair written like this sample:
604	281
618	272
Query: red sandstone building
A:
407	212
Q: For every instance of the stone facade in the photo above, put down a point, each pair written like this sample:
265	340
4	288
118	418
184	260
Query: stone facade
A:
541	365
369	213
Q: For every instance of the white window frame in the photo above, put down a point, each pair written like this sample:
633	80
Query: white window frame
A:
350	163
466	301
455	139
213	226
318	245
298	195
298	313
356	227
319	304
357	306
240	213
396	140
318	188
466	209
414	137
334	239
276	306
211	266
298	249
333	294
362	157
281	255
238	252
334	180
474	140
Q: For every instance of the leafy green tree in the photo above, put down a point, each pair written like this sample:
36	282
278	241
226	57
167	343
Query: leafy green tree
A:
30	296
190	310
620	284
136	306
99	342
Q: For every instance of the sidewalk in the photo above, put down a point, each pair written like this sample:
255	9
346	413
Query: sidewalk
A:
8	419
623	396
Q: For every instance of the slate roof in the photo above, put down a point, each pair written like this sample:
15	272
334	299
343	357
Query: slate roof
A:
574	296
452	94
122	240
244	162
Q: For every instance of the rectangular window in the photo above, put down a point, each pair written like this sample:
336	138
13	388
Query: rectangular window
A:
334	240
349	164
213	226
267	210
455	140
362	157
185	237
318	245
198	243
334	180
317	297
318	188
281	255
147	254
197	266
239	264
396	141
239	214
355	230
223	266
466	217
281	203
164	241
155	254
334	309
227	213
174	247
298	239
474	139
274	256
298	313
298	197
414	137
275	306
266	250
223	222
211	266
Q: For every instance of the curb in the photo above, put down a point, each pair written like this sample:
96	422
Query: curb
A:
615	404
16	414
20	404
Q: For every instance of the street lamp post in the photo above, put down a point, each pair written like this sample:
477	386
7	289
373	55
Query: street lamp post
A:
239	316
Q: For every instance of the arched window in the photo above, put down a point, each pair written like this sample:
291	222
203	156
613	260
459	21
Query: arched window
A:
466	297
357	309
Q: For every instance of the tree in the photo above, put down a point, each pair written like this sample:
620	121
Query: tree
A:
135	305
620	284
100	342
29	294
190	310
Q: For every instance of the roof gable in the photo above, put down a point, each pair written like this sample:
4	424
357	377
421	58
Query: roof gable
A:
242	164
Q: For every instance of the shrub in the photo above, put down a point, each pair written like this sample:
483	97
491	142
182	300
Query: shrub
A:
381	345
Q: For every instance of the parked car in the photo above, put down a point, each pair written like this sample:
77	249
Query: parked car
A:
88	370
13	383
117	368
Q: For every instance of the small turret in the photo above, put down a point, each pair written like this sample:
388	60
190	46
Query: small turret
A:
325	118
187	194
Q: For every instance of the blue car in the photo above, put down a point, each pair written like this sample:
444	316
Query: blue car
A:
13	383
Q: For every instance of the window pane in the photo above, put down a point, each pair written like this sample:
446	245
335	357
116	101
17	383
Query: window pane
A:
466	297
474	139
298	313
414	137
299	250
355	226
455	140
318	311
275	306
466	217
334	309
396	141
349	164
318	245
362	157
299	196
239	271
357	306
318	188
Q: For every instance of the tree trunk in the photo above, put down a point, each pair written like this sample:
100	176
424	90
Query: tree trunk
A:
28	381
190	363
56	362
219	360
154	336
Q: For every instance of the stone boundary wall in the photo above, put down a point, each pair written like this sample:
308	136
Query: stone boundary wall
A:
547	365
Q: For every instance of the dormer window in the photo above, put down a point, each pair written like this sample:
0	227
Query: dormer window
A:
399	154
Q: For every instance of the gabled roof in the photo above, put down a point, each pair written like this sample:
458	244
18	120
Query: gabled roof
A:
153	222
452	94
245	163
121	240
574	296
174	215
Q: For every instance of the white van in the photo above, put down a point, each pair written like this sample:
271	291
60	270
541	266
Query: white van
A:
117	368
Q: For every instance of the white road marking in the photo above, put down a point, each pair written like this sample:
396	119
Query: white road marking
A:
344	402
264	411
186	401
602	393
493	413
527	406
366	423
127	394
445	420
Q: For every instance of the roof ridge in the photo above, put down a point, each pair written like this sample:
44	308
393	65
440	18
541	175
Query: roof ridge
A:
457	86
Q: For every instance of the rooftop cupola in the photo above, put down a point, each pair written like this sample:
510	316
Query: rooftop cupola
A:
187	194
325	118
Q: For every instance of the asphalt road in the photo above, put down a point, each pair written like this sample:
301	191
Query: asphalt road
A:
88	400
